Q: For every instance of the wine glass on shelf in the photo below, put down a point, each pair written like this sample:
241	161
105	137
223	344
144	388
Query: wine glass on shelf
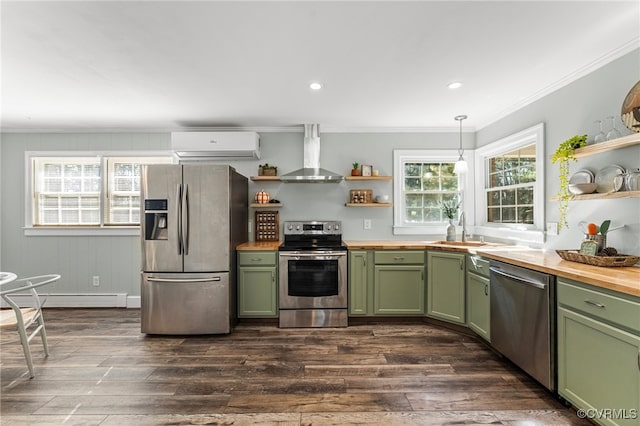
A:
613	133
600	136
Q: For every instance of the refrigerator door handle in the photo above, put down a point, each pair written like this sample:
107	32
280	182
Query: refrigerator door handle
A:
179	215
183	280
185	219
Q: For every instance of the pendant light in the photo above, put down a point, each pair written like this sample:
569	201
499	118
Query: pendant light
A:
461	165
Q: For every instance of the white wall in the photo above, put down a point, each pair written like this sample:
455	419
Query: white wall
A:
569	111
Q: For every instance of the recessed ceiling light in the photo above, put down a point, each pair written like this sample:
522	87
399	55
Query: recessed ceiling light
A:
315	85
454	85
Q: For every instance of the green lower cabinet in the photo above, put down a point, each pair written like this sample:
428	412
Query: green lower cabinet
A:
360	292
398	290
257	285
599	369
478	305
599	352
446	286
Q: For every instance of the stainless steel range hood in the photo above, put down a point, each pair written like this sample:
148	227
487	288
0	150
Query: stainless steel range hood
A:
311	172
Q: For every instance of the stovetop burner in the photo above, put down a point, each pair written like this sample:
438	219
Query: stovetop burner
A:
312	236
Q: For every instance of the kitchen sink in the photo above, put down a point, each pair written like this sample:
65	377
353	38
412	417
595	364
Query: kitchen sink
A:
461	243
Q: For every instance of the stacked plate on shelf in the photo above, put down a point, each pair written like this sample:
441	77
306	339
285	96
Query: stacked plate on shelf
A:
582	182
606	179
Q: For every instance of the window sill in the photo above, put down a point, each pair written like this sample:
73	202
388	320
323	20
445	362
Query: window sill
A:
420	229
111	231
523	236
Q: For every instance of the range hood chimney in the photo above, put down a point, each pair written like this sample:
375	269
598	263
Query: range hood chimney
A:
311	172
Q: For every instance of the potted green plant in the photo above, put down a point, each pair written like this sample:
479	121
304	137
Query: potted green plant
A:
565	153
267	170
450	211
356	169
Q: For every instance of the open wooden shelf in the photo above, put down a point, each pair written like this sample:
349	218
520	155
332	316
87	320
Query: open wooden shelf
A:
265	178
382	178
368	204
599	148
602	196
265	205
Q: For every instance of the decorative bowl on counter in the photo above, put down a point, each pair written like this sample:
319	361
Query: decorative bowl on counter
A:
582	188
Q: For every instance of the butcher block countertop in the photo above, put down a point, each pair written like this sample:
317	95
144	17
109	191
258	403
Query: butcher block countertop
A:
259	245
622	279
415	245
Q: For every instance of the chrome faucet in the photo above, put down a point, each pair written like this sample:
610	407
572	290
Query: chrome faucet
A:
462	223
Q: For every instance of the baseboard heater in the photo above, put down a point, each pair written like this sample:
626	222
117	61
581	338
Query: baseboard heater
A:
74	300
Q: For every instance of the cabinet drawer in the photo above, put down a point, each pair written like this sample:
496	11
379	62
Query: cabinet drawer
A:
478	265
398	257
613	309
256	258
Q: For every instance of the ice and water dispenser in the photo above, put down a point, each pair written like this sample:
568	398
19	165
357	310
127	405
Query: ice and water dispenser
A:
155	219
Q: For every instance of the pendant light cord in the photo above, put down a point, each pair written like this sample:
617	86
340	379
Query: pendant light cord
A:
459	118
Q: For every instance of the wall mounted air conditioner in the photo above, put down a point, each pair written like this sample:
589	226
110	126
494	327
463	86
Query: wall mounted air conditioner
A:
216	145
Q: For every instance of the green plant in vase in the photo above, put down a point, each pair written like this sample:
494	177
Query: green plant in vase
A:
565	153
450	209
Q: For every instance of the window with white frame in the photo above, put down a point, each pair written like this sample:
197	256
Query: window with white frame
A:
90	191
426	187
423	181
509	179
510	186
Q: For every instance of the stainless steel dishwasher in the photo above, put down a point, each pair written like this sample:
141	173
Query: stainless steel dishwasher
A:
523	319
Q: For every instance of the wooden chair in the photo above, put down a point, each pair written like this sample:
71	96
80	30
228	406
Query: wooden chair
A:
24	318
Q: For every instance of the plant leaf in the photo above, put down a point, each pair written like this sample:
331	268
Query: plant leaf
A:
605	227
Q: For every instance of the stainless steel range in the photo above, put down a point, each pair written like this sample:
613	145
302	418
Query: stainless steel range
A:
313	275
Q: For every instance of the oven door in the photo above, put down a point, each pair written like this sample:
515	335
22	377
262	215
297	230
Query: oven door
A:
311	280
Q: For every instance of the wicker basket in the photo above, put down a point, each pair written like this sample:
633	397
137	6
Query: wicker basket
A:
607	261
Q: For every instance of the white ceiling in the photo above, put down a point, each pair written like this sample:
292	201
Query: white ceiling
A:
166	65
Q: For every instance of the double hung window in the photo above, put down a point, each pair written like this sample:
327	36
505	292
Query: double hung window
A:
510	190
87	191
423	181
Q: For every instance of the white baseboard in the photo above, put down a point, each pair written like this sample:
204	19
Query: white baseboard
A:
88	300
133	302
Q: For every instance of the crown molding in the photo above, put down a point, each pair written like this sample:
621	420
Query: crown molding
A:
259	129
626	48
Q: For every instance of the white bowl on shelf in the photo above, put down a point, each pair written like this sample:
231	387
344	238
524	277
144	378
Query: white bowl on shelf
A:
582	188
382	199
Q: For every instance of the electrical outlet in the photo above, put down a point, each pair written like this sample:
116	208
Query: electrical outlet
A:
96	280
367	224
552	228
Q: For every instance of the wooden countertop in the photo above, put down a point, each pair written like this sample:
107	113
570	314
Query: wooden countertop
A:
622	279
259	245
414	245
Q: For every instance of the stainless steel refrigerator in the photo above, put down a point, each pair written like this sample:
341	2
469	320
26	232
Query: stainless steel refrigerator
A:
193	216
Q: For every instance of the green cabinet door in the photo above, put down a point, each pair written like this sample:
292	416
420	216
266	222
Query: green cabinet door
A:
446	286
359	279
257	291
599	368
398	290
478	307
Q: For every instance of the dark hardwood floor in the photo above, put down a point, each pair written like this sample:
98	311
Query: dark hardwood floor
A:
102	370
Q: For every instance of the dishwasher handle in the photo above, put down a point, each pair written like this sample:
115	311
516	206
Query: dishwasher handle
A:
520	279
